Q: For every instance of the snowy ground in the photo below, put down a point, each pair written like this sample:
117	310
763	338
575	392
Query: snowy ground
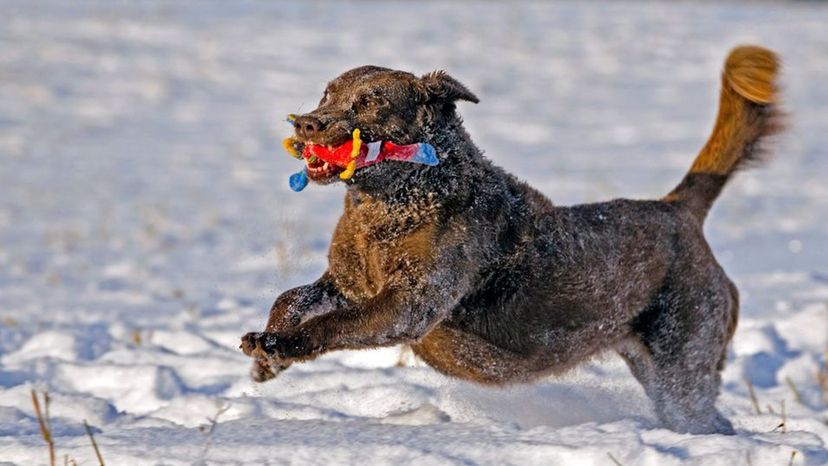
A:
146	223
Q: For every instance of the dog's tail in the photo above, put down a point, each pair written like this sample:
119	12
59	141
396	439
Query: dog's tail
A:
748	113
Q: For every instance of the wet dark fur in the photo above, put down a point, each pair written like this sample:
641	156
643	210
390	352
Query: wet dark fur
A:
488	281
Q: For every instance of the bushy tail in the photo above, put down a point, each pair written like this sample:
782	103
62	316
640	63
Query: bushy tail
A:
748	113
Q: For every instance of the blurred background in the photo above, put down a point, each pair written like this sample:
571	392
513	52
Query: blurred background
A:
139	141
143	188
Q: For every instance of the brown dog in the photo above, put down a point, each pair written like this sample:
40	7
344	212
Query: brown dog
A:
488	281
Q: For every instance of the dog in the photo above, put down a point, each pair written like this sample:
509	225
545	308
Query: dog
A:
490	282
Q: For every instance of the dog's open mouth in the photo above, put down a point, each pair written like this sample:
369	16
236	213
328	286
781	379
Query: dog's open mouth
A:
324	163
319	166
318	169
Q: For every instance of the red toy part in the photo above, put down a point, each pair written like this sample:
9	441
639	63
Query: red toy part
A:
339	155
371	153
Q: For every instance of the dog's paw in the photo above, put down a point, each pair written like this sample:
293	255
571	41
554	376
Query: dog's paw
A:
286	347
251	345
265	369
272	346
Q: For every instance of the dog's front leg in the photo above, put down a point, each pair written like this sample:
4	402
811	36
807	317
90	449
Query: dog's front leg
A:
289	311
301	304
398	314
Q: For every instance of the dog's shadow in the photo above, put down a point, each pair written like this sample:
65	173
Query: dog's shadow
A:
599	393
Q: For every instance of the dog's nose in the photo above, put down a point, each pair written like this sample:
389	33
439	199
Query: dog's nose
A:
307	126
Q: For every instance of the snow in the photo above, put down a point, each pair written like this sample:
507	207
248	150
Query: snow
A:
146	224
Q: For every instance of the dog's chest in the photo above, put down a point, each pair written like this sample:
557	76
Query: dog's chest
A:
375	244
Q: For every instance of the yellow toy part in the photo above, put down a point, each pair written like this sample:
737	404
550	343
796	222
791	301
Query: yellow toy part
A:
290	146
357	145
289	143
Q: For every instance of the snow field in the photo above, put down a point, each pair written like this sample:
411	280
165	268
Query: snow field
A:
146	224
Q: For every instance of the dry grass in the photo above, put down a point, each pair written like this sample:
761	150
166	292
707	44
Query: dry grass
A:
94	443
135	337
138	336
797	397
208	430
45	424
614	461
822	377
783	425
753	398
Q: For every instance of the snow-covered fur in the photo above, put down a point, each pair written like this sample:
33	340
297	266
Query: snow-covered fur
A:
488	281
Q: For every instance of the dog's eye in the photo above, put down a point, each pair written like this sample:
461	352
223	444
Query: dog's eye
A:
370	101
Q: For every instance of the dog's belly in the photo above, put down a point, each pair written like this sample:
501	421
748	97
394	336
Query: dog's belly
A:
467	356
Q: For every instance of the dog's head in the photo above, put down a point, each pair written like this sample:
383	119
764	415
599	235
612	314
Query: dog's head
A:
386	105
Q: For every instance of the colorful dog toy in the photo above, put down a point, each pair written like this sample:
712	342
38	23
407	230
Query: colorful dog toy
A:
354	154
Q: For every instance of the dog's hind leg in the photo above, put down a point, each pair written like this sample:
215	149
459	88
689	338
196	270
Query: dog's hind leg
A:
640	362
675	352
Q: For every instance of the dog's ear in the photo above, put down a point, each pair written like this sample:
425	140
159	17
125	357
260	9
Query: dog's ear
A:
438	86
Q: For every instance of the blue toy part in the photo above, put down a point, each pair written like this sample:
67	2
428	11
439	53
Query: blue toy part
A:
426	155
298	181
